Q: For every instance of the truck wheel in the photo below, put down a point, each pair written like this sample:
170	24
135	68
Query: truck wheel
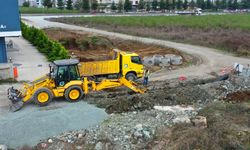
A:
43	96
131	77
73	94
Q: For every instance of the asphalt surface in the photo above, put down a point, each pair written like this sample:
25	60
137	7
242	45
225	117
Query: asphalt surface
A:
32	124
210	60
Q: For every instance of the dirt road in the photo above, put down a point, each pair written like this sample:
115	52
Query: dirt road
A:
212	60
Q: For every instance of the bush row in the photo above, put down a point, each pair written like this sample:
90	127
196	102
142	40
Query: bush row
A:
52	49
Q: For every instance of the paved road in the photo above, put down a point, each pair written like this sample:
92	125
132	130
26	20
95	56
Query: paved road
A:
31	64
212	60
32	124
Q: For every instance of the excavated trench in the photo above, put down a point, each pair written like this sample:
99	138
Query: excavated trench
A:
197	92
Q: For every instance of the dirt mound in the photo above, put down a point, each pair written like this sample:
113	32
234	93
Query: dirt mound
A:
238	96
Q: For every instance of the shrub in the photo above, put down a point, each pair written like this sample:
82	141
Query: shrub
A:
52	49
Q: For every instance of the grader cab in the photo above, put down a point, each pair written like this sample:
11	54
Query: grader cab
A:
63	80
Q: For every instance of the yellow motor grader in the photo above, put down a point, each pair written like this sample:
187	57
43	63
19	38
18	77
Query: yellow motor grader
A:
63	80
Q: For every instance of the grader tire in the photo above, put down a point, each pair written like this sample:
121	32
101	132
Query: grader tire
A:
73	94
43	96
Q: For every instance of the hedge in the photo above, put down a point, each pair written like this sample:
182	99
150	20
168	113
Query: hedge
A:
52	49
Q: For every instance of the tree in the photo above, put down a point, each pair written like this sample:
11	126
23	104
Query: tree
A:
147	6
78	4
162	5
179	4
85	5
217	5
209	4
141	4
192	4
245	4
127	5
26	4
223	4
230	4
120	6
235	4
94	5
185	4
60	4
154	4
113	6
69	5
47	3
167	5
173	4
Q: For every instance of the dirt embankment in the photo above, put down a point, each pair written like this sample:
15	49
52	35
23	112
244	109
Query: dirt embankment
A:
89	47
231	40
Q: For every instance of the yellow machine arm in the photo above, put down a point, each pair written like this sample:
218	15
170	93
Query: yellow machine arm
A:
111	83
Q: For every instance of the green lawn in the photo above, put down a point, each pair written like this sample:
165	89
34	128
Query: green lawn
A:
34	10
239	21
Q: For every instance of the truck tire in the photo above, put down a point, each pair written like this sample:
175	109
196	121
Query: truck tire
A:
131	77
73	94
43	96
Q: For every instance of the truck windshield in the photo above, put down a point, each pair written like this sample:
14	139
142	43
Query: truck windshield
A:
136	59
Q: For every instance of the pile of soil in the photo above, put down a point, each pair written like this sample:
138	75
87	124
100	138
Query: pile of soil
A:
86	46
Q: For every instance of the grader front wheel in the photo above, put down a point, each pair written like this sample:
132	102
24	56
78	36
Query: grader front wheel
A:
73	94
43	96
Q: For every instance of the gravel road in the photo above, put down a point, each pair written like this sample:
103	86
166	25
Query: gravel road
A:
212	60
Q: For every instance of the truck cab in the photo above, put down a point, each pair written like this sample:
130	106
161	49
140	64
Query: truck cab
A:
131	65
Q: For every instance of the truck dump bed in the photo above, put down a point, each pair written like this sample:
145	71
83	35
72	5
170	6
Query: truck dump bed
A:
99	67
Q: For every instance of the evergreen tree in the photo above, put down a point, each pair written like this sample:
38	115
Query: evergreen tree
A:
113	6
60	4
141	4
162	5
147	6
78	4
167	5
69	5
192	4
94	5
209	4
235	4
217	5
185	4
85	5
173	4
179	4
203	4
127	5
154	4
26	4
223	4
120	6
230	4
47	3
245	4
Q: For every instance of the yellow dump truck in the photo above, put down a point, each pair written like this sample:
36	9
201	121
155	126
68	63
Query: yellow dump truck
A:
125	64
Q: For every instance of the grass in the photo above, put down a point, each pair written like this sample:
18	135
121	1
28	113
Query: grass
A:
235	21
34	10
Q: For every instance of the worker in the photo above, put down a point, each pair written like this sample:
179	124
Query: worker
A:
145	77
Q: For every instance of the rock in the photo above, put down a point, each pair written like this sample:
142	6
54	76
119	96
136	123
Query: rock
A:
79	136
181	119
138	127
98	146
146	134
3	147
200	122
50	140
